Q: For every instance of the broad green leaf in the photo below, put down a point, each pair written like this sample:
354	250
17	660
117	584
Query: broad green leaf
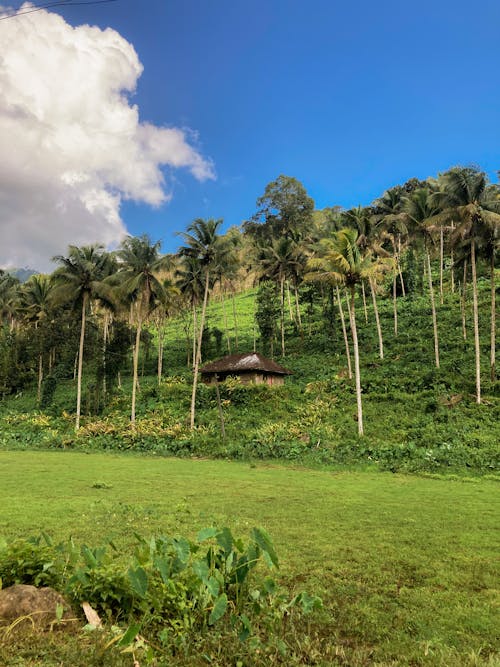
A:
213	587
263	540
219	609
129	635
183	549
163	567
225	540
88	557
246	628
139	581
201	569
206	534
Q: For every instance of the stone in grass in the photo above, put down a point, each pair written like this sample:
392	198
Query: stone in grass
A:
24	607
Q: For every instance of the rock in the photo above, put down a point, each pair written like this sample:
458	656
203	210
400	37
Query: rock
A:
36	606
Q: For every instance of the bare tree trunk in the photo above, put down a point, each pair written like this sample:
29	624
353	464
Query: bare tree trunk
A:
40	379
377	319
224	316
441	263
289	300
282	285
80	363
194	334
433	307
161	339
493	322
395	305
105	332
357	376
364	301
452	259
476	320
344	333
235	321
135	358
198	349
463	301
400	271
297	308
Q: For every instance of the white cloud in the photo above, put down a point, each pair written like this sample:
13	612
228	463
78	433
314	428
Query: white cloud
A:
71	143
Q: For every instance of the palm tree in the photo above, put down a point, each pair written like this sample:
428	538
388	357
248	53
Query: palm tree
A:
79	280
344	264
190	283
466	199
278	260
9	298
418	208
387	211
364	221
37	302
203	247
138	284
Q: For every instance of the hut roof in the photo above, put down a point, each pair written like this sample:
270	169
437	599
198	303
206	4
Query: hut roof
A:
238	363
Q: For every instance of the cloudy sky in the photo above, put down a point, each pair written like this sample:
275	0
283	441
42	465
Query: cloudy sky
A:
136	117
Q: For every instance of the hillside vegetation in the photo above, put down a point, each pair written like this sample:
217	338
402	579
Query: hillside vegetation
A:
417	417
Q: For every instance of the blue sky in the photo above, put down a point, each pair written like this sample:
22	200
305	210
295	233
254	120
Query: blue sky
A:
350	98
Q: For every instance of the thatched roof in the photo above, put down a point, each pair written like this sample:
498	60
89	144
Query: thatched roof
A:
241	363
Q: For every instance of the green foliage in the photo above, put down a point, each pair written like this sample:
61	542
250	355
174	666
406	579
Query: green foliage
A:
171	589
267	314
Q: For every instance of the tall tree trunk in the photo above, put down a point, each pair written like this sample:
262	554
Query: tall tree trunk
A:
289	300
198	349
344	333
463	301
161	340
476	319
433	307
493	321
441	264
40	378
400	270
377	319
452	259
235	321
364	301
395	305
105	331
135	379
224	317
282	286
297	308
194	334
80	362
357	376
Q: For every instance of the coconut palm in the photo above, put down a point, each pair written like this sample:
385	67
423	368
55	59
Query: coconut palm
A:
37	303
203	247
79	280
344	264
139	262
364	221
466	199
418	208
279	260
9	298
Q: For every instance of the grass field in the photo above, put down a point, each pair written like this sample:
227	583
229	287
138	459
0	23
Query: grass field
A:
405	565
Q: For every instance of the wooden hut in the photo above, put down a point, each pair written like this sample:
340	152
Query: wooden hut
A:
249	367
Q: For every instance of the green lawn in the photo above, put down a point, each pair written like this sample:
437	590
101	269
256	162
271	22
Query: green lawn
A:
405	565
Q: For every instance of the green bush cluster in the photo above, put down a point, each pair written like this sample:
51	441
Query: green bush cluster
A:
170	589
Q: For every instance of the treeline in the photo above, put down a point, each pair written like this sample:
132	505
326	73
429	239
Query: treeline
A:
98	307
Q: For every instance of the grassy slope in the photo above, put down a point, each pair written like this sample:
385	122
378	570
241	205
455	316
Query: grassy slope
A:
405	565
